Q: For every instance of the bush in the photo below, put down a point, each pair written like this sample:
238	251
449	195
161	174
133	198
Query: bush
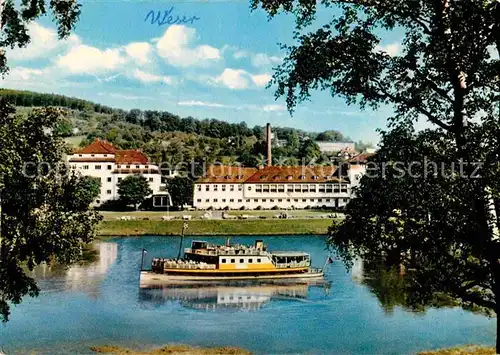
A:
275	208
259	208
226	208
308	207
113	205
210	208
242	208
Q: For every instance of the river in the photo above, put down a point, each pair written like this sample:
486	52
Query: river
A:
99	302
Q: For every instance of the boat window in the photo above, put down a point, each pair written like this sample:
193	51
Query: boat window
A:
258	260
223	261
242	261
250	260
233	261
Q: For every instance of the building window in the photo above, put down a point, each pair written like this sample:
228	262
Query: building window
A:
240	200
231	200
343	188
320	200
274	188
108	179
281	188
92	155
86	167
199	187
302	177
258	260
233	261
150	179
105	155
97	201
109	167
108	192
271	200
255	200
97	167
137	166
216	187
305	188
248	200
207	188
231	188
80	155
265	188
223	261
329	188
321	188
118	166
258	188
312	188
250	188
280	200
327	200
295	200
223	200
304	200
240	187
297	188
199	200
312	200
250	260
223	187
215	200
119	179
289	188
146	166
242	261
264	200
207	200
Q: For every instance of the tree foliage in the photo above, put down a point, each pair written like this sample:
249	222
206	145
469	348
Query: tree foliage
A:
446	72
44	208
15	17
180	190
133	190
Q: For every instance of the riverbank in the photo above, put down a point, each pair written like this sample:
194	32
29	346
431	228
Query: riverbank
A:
171	350
215	227
462	350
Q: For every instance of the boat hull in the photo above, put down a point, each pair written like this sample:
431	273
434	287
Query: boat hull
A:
149	278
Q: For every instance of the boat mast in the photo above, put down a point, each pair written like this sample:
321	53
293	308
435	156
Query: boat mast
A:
184	227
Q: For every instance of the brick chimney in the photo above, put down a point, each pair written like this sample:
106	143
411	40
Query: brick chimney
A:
268	144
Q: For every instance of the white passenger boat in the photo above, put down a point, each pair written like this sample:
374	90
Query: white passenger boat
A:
204	262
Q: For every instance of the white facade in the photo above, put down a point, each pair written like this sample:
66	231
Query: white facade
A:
267	196
331	147
112	167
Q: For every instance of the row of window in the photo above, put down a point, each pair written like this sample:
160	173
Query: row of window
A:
281	188
109	179
109	167
342	200
233	261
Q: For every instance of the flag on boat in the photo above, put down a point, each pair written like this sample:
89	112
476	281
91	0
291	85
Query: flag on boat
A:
330	260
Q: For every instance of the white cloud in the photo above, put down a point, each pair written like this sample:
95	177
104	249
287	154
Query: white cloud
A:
21	73
233	78
203	104
175	47
43	43
117	95
240	54
263	60
261	80
273	108
392	49
151	78
85	59
140	52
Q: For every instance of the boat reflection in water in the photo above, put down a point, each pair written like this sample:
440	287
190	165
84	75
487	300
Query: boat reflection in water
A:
250	297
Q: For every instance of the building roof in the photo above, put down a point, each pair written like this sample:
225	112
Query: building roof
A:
131	157
295	174
361	158
98	146
226	174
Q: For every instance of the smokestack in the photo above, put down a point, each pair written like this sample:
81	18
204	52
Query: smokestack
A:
268	141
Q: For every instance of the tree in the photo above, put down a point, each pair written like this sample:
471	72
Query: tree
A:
180	190
14	22
44	208
133	190
86	189
446	72
308	151
330	136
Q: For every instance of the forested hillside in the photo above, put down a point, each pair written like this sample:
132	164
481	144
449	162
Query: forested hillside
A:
168	138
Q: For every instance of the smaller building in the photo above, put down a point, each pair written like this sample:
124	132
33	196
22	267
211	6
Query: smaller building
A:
102	160
333	147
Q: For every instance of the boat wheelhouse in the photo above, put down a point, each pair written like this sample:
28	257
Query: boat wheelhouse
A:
209	262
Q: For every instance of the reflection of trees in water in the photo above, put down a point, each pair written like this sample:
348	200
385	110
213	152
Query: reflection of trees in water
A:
394	289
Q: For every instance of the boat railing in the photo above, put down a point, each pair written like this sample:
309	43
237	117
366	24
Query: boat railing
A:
292	264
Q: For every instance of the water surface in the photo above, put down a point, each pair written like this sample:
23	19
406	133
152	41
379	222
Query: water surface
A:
99	302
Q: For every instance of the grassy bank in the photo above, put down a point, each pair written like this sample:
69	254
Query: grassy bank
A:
215	227
462	350
172	350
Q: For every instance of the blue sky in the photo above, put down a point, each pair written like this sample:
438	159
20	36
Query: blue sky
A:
216	67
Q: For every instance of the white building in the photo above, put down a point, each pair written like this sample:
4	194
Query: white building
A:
332	147
230	187
102	160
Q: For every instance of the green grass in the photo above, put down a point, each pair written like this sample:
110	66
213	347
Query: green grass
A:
215	227
75	140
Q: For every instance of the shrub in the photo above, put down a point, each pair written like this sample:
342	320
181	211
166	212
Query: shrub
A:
275	208
242	208
259	208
